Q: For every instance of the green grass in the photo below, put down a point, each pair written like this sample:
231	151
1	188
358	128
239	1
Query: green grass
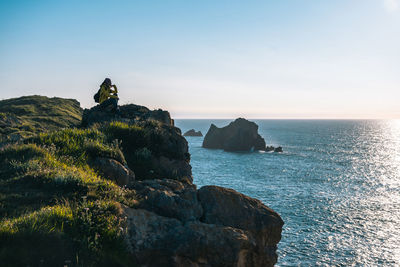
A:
55	208
88	234
25	116
80	145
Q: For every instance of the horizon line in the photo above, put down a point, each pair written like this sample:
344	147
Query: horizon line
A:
269	118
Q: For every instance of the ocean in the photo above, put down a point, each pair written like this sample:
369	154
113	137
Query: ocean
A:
336	186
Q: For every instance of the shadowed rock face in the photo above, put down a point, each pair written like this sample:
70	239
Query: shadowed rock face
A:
239	135
177	225
227	207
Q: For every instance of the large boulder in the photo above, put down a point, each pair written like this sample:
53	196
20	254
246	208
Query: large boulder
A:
227	207
171	168
173	225
159	241
114	170
169	198
239	135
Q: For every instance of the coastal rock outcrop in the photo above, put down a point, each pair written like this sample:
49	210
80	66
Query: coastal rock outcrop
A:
130	112
216	220
160	241
153	147
223	206
239	135
117	190
169	198
193	132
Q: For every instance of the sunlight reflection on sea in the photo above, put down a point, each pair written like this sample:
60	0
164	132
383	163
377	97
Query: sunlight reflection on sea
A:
336	186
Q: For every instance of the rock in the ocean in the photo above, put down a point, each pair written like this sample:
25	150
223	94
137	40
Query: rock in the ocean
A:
278	149
192	132
240	135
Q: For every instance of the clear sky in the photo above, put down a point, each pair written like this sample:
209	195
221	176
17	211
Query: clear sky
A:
209	58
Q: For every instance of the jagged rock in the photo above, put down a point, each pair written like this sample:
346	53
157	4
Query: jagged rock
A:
192	132
278	149
223	206
162	116
114	170
131	112
240	135
159	241
169	198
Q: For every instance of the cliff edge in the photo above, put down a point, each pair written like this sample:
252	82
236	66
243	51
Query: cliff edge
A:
118	191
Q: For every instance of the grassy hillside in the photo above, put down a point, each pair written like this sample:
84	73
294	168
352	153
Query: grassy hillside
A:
56	210
25	116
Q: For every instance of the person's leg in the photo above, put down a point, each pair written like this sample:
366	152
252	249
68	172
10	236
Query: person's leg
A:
115	104
107	105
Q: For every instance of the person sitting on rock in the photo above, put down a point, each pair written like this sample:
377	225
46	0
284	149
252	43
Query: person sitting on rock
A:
108	98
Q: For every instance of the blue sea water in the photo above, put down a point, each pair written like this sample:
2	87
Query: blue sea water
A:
336	186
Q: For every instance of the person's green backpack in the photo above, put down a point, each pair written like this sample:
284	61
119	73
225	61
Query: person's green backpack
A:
97	96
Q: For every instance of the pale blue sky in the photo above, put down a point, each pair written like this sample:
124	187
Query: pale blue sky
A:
209	59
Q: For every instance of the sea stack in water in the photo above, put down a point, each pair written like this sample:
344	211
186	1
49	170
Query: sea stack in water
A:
239	135
193	132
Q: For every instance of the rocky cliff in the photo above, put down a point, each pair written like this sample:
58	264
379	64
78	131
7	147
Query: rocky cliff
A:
118	191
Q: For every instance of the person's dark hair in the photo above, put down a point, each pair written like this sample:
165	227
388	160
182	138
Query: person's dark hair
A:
107	82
